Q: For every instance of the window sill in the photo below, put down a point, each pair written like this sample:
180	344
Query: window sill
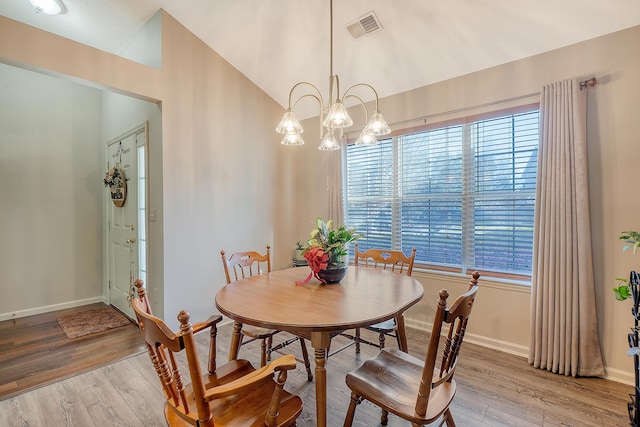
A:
485	281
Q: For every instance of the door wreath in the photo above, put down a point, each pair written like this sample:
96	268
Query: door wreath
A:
117	183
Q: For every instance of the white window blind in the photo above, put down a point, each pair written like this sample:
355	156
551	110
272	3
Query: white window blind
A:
462	194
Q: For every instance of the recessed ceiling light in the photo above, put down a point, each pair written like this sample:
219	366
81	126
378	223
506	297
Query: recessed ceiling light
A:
50	7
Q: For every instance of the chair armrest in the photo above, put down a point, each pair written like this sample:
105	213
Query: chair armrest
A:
213	320
249	381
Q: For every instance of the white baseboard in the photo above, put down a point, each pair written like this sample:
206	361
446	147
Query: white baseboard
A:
49	308
507	347
619	376
611	374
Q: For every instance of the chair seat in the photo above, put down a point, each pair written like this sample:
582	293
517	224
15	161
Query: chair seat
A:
384	327
249	407
391	380
228	372
257	332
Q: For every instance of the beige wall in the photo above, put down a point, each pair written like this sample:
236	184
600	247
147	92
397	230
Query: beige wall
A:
501	319
218	167
50	193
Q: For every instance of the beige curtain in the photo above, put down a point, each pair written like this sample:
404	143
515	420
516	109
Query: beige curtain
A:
564	325
334	184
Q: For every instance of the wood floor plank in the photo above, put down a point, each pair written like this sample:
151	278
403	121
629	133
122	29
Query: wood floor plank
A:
103	400
142	365
52	408
22	411
497	418
137	392
63	406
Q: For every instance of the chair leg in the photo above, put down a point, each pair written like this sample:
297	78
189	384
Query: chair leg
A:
240	341
448	418
212	349
263	352
384	418
381	339
399	342
305	357
269	345
357	340
348	419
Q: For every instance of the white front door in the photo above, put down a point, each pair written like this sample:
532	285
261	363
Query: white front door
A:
125	221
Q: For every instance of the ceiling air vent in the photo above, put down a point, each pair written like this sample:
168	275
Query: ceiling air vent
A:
364	25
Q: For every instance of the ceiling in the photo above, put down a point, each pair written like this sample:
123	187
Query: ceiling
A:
277	43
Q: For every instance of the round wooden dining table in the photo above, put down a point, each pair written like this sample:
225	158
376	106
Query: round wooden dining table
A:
317	311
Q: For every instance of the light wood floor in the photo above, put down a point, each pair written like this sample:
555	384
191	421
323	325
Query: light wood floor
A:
494	389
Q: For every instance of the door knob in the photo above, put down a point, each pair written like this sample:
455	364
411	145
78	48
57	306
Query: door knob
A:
131	240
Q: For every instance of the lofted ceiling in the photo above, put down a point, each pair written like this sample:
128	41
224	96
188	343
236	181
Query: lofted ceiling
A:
276	43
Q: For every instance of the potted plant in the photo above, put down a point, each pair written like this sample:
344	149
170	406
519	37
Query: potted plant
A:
630	288
327	249
299	254
631	241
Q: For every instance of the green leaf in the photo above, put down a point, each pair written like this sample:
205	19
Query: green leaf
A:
622	292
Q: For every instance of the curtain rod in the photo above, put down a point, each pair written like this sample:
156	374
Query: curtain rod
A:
588	83
583	84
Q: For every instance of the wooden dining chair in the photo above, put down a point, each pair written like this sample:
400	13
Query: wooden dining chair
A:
385	259
235	394
246	264
419	391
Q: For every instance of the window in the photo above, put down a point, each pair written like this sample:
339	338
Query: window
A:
463	194
142	215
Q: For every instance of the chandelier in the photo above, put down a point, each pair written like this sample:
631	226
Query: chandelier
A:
334	115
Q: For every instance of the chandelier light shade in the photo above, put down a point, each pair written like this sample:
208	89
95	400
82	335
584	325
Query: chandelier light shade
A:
366	139
329	142
289	124
48	7
337	117
334	114
377	126
292	139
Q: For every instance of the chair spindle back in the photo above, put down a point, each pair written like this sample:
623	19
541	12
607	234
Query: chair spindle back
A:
245	264
385	259
456	317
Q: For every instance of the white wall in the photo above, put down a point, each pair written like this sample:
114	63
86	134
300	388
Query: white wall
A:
146	47
51	191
